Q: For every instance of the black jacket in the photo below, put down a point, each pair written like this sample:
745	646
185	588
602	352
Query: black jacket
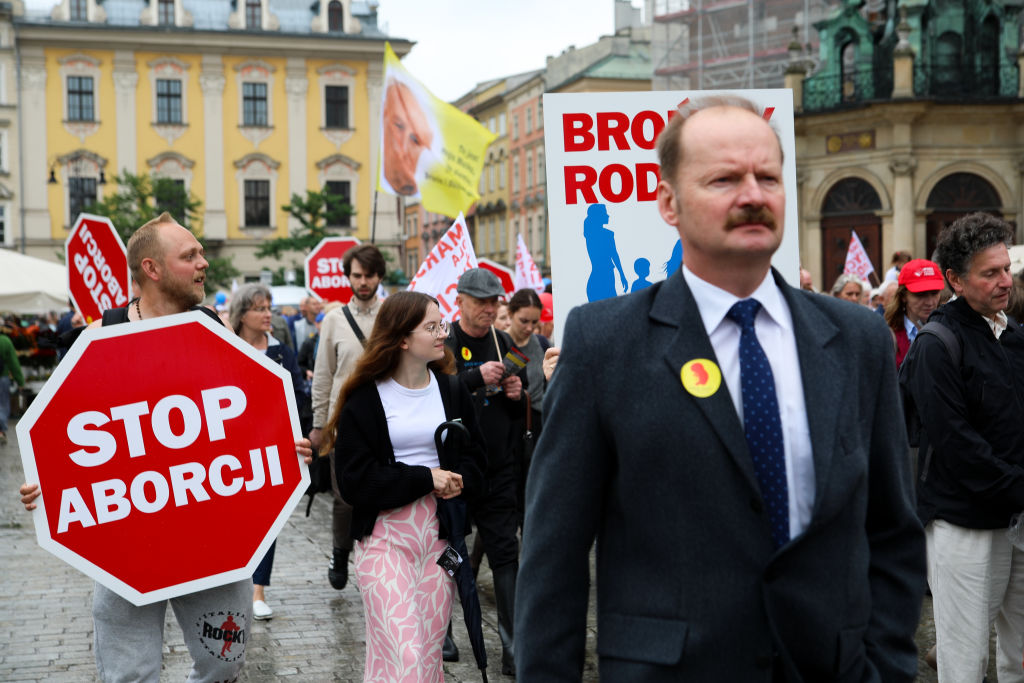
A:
370	479
971	459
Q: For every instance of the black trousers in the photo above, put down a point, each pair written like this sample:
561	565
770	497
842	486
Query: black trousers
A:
495	515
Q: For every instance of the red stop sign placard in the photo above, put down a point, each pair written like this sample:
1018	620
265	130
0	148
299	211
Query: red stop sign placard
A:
504	274
165	453
325	275
98	276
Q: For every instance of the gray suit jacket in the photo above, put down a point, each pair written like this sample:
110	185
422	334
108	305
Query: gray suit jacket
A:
688	584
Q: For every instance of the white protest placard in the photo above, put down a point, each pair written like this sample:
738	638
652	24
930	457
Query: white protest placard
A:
857	261
602	172
527	274
439	273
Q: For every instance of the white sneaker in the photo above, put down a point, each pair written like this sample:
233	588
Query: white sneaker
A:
261	610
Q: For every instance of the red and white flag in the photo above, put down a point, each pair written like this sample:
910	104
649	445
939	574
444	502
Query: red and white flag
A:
439	274
527	273
857	261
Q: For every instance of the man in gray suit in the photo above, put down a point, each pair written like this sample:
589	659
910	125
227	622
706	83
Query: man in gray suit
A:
735	445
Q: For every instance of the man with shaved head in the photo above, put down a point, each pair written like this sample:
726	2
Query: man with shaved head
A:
734	445
169	269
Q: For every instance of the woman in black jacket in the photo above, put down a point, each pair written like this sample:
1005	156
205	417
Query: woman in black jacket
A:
390	471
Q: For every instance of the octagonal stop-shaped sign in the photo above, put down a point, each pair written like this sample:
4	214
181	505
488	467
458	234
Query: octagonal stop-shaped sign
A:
505	274
98	276
325	275
165	453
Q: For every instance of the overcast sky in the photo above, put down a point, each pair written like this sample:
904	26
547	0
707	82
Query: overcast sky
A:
460	43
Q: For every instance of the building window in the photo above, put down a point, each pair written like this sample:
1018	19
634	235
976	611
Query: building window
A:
335	17
501	123
80	98
254	104
165	12
343	189
336	105
257	203
529	171
168	100
515	126
3	224
540	167
79	10
81	193
501	175
529	121
253	14
515	174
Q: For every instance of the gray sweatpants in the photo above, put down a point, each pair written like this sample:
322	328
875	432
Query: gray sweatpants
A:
129	640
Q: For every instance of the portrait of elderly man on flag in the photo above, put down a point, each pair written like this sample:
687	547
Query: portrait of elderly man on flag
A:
410	137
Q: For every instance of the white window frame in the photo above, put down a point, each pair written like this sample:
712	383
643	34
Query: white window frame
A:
5	167
170	69
80	65
339	167
172	165
150	15
337	74
256	166
350	25
255	71
87	165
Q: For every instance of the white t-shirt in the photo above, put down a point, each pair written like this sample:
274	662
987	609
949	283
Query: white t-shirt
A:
413	415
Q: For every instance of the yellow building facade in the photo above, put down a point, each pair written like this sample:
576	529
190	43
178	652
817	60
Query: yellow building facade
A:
245	103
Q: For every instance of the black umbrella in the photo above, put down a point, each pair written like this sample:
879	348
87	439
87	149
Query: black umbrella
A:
452	514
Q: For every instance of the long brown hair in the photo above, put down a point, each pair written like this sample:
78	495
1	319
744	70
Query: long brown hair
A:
897	308
399	315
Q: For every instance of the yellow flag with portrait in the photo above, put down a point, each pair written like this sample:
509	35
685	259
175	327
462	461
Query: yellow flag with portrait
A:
429	150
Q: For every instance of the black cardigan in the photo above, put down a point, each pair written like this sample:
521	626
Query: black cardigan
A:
368	476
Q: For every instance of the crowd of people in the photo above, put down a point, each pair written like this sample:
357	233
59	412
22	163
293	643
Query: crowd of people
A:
739	449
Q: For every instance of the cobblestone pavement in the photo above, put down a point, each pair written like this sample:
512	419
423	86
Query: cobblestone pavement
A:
316	633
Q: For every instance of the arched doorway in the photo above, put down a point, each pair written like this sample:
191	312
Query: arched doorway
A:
850	205
956	195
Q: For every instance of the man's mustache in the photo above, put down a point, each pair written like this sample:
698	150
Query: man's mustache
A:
762	215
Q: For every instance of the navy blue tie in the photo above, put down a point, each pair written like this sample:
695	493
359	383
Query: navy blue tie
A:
761	422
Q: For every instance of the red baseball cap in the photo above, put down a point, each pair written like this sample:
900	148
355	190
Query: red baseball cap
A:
921	275
546	313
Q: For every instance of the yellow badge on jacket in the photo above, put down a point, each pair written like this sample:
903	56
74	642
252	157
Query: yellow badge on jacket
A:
701	377
466	353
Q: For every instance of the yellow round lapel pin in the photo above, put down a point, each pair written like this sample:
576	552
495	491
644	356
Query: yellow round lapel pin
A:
466	353
701	377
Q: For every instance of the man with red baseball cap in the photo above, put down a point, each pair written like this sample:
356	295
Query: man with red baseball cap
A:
920	282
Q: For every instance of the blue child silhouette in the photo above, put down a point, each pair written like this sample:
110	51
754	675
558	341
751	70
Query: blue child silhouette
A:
642	268
604	257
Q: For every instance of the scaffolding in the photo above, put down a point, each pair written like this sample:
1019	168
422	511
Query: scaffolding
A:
725	44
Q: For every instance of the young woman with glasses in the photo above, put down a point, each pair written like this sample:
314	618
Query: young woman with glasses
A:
389	469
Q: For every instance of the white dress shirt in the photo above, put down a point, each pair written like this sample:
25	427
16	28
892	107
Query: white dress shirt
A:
774	328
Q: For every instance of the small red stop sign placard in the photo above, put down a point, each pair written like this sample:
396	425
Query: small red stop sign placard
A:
98	276
165	453
325	276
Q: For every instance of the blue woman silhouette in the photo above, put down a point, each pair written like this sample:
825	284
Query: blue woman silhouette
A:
604	257
675	261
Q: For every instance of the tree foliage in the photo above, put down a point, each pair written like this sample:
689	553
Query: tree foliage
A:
141	198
